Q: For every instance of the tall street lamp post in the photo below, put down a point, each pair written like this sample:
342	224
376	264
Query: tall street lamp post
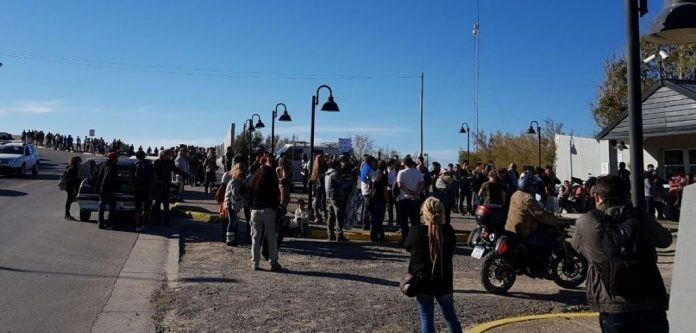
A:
284	117
465	129
537	131
329	106
248	129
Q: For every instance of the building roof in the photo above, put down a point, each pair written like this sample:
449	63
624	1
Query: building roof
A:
668	107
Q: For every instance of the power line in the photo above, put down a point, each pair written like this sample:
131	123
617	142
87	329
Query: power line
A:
204	72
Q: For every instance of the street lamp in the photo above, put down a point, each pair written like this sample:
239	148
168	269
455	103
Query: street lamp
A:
248	129
284	117
468	132
329	106
537	131
675	25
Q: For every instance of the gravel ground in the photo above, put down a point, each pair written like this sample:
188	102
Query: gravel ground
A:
327	287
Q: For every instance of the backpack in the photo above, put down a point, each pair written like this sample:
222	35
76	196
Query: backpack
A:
143	174
629	272
61	181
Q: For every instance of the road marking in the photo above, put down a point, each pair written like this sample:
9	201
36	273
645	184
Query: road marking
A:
506	321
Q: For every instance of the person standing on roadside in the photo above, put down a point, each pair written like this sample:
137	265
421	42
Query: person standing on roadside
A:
392	171
265	199
335	193
492	192
210	166
106	187
143	180
465	194
379	195
163	168
182	163
284	174
366	169
431	247
410	183
319	168
71	180
623	281
234	203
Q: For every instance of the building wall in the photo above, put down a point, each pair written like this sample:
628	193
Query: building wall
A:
587	161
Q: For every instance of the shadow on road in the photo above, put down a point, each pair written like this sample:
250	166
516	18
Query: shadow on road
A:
567	297
349	251
11	193
345	276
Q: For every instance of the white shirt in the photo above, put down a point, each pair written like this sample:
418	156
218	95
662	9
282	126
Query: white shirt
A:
409	178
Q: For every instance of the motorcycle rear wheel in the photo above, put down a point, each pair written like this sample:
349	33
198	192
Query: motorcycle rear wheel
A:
497	276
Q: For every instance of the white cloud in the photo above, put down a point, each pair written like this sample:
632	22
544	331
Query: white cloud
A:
35	107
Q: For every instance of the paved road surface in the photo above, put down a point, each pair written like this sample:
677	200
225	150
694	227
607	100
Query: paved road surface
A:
55	275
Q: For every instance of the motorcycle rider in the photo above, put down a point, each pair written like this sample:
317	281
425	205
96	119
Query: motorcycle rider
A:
526	215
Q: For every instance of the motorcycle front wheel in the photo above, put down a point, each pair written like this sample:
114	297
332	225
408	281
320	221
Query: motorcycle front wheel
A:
497	275
569	270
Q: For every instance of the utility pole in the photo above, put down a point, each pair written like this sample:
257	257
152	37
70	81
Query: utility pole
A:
477	51
421	113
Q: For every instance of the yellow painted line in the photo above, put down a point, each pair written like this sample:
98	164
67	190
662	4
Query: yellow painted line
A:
506	321
196	216
365	236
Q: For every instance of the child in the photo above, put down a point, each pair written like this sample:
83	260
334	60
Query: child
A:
301	216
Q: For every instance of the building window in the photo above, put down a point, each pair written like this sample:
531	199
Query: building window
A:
683	160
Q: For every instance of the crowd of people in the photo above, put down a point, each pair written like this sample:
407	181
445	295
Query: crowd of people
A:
420	201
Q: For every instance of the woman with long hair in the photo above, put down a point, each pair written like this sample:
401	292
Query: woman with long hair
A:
72	184
234	203
431	246
319	168
265	199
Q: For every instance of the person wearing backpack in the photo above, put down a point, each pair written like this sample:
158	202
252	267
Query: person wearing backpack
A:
623	282
142	174
71	183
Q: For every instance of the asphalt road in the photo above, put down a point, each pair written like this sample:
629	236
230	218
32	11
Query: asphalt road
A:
55	275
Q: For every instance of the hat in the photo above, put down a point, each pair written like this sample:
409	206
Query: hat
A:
263	160
112	156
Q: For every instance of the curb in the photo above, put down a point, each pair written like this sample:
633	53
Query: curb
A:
314	233
182	211
506	321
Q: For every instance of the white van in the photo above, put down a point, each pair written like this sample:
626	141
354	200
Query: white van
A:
298	148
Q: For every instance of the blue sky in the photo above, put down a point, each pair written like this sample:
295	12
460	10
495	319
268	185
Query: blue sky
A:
164	72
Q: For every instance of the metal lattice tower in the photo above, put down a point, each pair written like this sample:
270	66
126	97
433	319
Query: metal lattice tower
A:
477	47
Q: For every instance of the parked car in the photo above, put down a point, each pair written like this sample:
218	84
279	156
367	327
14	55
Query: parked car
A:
19	158
88	199
297	149
6	137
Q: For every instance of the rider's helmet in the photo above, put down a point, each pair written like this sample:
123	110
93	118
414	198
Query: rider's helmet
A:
527	183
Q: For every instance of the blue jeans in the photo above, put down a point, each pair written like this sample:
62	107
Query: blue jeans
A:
426	307
233	227
654	322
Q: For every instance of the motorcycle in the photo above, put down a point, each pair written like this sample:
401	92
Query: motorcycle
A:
505	256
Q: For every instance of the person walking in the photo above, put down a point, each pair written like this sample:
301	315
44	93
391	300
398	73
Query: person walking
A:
623	281
106	187
431	247
410	183
72	184
265	199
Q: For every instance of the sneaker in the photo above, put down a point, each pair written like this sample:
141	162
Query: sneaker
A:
341	238
276	267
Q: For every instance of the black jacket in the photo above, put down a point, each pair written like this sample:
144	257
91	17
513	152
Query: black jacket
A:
267	193
163	170
72	180
440	281
106	181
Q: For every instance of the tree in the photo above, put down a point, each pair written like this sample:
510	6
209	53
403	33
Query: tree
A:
612	94
363	144
523	149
